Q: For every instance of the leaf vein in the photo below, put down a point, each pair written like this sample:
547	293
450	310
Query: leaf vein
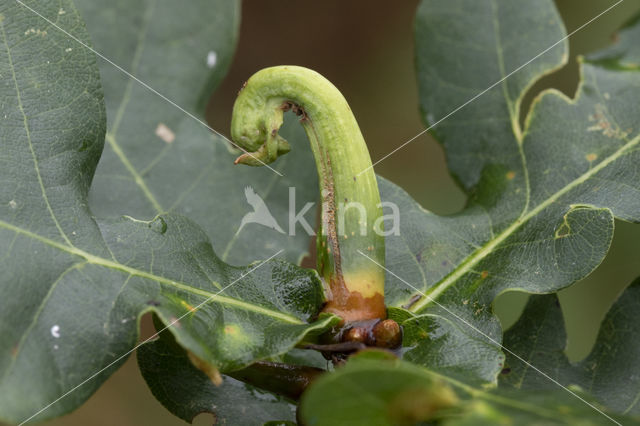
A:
100	261
38	312
28	134
488	248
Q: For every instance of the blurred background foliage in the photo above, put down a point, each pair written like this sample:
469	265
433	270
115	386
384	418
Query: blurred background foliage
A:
366	49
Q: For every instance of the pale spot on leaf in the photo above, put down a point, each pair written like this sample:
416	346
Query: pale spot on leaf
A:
212	59
604	125
165	133
34	31
55	331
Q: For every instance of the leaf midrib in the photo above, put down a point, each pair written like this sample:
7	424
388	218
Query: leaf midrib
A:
111	135
477	393
489	247
100	261
499	399
512	107
25	120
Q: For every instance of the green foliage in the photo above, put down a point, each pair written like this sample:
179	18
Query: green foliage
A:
74	288
609	373
542	198
372	390
87	248
625	52
187	169
187	392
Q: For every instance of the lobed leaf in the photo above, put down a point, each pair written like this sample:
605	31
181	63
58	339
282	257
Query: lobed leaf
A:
610	373
73	287
187	392
542	198
374	391
157	158
464	47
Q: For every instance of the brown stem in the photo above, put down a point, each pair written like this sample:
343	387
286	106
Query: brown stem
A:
282	379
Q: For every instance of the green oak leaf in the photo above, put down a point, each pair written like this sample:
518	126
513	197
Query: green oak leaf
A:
464	47
448	346
542	197
374	390
157	159
73	288
371	390
188	392
610	373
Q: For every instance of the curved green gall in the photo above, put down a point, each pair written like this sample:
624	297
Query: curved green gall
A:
350	197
